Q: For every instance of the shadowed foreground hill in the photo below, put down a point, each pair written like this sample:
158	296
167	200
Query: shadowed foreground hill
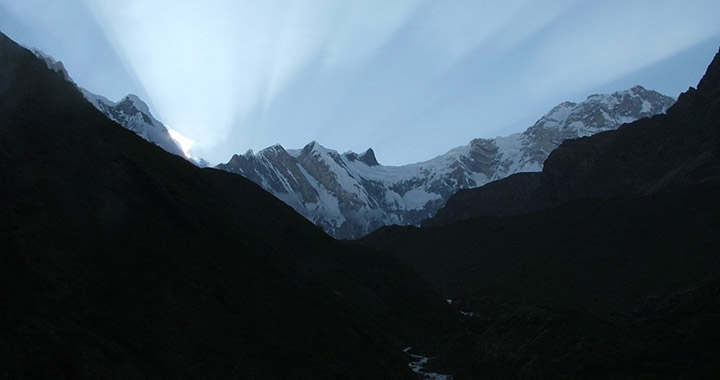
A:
624	285
119	260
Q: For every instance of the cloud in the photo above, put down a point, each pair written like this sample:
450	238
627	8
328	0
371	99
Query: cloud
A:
209	64
604	41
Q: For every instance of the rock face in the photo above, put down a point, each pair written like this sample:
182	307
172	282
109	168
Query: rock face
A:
350	195
642	158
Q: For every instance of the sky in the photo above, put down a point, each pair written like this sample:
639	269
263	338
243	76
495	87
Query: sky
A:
411	79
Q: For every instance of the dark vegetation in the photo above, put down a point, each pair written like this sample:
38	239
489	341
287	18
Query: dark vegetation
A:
610	267
119	260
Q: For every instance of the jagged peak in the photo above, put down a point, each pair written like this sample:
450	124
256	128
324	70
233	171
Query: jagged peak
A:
273	149
369	158
315	146
138	103
597	98
637	88
561	114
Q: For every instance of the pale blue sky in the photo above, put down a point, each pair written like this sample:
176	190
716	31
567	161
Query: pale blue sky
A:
412	79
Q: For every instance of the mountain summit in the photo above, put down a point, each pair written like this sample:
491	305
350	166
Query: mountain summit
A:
642	158
603	266
130	112
120	261
350	195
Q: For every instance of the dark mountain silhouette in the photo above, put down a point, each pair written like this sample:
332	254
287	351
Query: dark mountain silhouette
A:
645	157
605	265
120	260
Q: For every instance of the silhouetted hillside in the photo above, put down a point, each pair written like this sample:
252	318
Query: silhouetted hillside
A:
616	275
120	260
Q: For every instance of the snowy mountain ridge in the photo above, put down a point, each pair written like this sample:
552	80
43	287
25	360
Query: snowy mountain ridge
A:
350	194
133	114
52	63
130	112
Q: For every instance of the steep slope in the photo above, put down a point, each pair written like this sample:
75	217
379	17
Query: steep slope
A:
130	112
617	275
122	261
350	195
644	157
618	288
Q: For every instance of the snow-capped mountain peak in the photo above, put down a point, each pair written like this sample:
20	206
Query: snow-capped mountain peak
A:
137	103
351	194
134	114
130	112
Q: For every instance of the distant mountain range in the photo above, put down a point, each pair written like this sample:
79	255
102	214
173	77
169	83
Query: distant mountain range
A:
350	195
119	260
605	265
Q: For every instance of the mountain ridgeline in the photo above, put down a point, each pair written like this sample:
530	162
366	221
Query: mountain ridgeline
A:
603	266
121	261
130	112
645	157
350	195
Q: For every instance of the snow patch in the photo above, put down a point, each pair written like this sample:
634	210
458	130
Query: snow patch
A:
416	199
418	365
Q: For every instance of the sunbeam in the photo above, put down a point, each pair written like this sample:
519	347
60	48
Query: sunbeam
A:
412	79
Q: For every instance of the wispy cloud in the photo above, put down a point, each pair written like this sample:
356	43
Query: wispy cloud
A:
603	41
209	64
